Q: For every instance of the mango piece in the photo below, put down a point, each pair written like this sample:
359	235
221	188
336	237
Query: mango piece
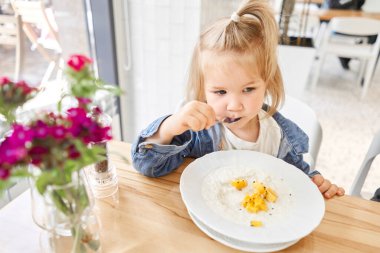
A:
259	187
256	223
239	184
270	195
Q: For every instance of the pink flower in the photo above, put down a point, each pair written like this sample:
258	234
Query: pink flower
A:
96	111
12	154
83	101
36	153
20	135
4	173
4	80
73	152
41	130
77	62
58	132
26	89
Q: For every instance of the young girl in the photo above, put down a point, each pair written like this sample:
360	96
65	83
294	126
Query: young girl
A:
233	72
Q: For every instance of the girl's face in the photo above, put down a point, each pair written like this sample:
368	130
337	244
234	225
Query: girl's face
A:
234	92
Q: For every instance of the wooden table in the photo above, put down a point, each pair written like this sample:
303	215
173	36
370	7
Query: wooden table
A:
327	14
151	217
311	1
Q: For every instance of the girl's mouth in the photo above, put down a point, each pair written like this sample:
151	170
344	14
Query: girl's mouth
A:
229	120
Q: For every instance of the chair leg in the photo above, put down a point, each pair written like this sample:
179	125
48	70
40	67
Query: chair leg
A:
362	66
19	50
358	183
368	76
60	68
318	67
18	63
373	151
48	72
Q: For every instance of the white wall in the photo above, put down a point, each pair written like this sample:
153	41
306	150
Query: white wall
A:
163	34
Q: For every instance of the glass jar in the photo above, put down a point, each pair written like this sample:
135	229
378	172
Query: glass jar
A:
102	175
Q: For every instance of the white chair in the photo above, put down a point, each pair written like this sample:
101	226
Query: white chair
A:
11	34
343	46
41	28
371	6
373	151
305	117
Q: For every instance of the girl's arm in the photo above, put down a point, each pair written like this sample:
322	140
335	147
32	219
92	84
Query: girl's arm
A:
193	116
158	151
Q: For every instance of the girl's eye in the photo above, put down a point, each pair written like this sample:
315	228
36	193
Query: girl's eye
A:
220	92
249	89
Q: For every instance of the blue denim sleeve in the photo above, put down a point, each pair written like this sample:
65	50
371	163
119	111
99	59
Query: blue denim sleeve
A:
294	144
155	160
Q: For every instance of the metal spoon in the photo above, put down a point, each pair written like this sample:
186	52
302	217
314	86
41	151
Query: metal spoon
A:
229	120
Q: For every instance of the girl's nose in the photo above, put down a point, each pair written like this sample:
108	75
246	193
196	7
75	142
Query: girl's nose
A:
234	104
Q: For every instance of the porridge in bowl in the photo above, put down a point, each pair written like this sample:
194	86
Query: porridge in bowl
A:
247	196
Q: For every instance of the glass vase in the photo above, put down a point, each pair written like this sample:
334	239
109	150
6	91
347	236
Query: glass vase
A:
65	213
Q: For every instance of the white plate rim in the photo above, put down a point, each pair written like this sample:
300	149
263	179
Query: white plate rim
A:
236	244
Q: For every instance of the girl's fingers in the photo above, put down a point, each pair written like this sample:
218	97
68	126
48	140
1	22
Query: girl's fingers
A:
196	122
201	111
324	186
331	191
318	180
209	113
340	191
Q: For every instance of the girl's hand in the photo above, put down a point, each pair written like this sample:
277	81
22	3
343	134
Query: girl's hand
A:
326	188
195	116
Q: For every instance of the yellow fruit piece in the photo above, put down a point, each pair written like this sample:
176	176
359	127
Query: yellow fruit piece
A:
260	204
259	187
256	223
270	195
239	184
252	208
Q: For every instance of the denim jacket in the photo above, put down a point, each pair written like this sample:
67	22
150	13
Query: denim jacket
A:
155	160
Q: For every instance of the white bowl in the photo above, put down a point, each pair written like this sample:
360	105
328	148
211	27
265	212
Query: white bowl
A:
301	212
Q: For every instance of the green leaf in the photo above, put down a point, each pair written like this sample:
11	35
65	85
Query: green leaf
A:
21	172
58	198
4	185
44	179
113	89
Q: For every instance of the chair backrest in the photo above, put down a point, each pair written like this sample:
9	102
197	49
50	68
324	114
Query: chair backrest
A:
39	23
373	151
11	34
305	117
371	6
358	26
10	29
349	28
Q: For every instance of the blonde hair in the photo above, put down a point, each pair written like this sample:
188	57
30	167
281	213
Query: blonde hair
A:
250	34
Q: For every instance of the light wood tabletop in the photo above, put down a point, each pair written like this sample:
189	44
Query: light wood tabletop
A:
328	14
151	217
310	1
